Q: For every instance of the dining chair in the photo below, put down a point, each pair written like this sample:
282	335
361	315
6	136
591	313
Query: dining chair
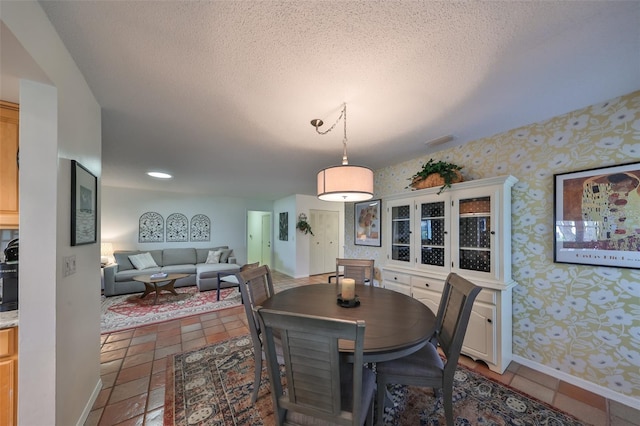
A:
361	270
230	279
256	286
321	386
425	367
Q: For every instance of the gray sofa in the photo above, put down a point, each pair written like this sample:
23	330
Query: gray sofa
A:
118	277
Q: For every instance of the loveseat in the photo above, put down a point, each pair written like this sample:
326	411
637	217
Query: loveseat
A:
118	277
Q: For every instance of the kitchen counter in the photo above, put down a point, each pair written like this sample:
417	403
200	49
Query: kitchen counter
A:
9	319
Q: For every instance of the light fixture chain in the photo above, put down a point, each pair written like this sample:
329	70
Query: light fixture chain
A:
342	114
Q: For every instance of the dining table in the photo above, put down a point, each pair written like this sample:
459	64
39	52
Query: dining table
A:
396	325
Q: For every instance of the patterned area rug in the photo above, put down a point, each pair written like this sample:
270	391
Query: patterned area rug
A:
127	311
213	386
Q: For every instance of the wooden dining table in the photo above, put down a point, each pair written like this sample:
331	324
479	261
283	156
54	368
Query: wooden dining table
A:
395	324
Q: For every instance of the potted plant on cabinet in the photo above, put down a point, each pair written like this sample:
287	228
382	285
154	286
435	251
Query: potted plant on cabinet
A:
436	173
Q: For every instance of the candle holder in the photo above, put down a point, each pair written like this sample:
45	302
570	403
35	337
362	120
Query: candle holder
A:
348	303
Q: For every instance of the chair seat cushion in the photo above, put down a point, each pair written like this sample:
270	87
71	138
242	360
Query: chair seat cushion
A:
425	362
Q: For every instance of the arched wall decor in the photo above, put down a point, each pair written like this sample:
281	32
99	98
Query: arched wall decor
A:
151	228
200	228
177	228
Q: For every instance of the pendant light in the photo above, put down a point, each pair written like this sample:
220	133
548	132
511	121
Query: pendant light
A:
344	182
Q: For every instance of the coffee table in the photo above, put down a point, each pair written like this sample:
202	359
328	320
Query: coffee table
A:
152	284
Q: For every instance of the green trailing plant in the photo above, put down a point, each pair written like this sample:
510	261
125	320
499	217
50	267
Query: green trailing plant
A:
304	226
448	171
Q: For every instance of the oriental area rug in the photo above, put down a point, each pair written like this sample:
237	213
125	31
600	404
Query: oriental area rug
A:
212	385
128	311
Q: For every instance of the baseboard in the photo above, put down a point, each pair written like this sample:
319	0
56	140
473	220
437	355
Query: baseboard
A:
90	402
581	383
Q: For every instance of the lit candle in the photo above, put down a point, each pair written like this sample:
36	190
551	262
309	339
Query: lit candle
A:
348	289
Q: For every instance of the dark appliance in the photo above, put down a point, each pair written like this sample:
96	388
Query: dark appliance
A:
9	278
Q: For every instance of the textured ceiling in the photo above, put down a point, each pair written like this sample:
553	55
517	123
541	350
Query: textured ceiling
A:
221	94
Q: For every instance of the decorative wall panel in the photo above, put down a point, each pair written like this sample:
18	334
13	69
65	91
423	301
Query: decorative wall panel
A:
177	228
151	228
200	228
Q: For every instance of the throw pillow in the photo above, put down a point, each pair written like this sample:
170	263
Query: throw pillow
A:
224	257
143	261
214	256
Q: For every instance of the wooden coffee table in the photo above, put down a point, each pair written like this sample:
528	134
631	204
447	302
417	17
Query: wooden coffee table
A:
152	284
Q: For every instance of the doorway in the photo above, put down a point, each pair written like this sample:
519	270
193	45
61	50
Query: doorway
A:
259	237
324	244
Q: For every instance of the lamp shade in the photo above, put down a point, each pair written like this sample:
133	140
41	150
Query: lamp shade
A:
106	251
345	183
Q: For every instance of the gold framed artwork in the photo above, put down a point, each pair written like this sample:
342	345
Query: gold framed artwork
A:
597	216
367	223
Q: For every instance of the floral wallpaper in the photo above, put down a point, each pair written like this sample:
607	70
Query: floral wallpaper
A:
581	320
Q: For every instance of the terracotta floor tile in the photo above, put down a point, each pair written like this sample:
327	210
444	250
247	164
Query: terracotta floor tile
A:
189	320
580	410
155	399
112	355
534	389
123	410
108	379
538	377
118	344
159	365
147	329
144	347
583	395
219	328
193	344
169	325
144	338
93	418
119	336
197	334
238	331
505	377
136	421
191	327
110	366
158	380
168	350
209	317
129	389
163	334
101	400
137	359
133	373
212	338
155	417
168	341
233	324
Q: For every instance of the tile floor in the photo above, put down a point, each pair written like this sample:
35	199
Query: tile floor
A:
133	365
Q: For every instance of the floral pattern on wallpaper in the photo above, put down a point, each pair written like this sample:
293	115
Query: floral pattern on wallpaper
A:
581	320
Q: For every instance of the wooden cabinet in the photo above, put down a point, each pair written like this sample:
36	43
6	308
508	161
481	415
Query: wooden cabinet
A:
466	230
9	114
8	376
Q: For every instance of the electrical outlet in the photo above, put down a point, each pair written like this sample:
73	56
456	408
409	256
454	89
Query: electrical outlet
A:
69	265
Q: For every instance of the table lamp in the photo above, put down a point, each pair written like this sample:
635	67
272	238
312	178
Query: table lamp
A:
106	251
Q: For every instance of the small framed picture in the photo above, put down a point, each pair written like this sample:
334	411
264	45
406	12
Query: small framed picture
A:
284	226
84	191
597	217
367	223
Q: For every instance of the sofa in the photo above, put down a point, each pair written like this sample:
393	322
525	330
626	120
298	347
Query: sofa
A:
118	277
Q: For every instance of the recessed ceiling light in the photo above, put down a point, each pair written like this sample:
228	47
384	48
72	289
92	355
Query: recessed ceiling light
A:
160	175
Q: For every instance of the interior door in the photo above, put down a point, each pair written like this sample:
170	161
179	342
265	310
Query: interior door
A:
324	243
266	240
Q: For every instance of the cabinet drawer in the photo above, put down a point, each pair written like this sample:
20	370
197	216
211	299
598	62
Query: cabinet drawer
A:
7	338
427	284
396	277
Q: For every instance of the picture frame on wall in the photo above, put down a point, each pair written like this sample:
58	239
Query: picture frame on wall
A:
283	234
84	196
367	222
597	216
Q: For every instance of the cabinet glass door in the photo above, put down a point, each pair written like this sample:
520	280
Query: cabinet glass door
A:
474	232
432	233
401	233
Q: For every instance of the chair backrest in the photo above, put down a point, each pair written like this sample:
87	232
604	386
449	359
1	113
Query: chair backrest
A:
249	266
314	371
453	317
256	286
357	269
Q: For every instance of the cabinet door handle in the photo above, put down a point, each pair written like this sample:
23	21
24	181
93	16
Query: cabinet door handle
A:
395	278
493	232
489	320
426	284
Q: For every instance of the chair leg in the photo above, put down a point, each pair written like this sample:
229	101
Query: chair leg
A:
381	395
257	359
447	400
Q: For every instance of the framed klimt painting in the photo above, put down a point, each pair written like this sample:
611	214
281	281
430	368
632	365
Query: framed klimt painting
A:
367	223
84	191
597	216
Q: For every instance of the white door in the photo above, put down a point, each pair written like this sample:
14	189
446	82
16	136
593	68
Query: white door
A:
266	240
324	241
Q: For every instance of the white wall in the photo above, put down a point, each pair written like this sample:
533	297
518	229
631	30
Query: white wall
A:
284	252
122	208
59	351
